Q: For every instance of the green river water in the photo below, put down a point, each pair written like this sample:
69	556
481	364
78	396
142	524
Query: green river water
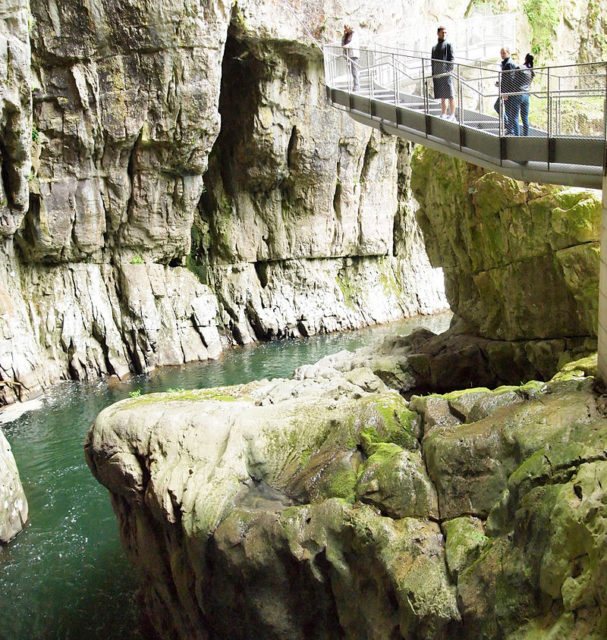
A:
65	576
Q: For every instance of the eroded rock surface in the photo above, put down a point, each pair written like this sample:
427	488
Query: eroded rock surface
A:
13	503
329	506
520	260
113	163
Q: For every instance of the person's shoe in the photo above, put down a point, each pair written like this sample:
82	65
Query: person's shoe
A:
444	116
452	118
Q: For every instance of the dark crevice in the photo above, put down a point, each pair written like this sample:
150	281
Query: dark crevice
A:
261	269
6	171
292	148
337	198
242	74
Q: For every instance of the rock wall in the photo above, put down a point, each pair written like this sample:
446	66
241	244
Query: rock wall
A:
521	261
328	506
112	165
139	138
303	239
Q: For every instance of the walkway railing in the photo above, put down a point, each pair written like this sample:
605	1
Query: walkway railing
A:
566	103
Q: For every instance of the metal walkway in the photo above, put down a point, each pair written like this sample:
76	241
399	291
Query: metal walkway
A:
566	141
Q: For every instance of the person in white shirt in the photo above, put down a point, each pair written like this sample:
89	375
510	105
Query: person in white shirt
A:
350	45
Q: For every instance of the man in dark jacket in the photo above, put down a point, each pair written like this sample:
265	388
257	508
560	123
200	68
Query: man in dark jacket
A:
442	65
511	104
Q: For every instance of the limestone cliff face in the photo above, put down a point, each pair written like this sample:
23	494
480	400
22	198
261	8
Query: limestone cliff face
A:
303	238
119	101
520	261
111	163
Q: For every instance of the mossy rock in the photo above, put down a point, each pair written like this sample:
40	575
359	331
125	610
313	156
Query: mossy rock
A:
465	540
395	481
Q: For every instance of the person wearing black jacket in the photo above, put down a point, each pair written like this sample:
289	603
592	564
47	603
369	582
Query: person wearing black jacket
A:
527	75
442	65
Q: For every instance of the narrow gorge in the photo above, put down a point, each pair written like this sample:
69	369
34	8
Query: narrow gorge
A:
174	184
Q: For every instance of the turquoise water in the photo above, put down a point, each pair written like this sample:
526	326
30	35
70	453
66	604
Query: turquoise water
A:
65	576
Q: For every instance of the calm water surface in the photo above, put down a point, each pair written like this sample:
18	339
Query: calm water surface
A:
65	576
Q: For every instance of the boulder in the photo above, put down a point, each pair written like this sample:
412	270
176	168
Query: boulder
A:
320	507
510	250
13	503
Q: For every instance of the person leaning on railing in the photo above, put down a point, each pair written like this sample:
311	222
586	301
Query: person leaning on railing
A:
351	48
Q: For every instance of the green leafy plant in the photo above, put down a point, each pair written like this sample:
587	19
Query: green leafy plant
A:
135	394
544	17
35	133
137	259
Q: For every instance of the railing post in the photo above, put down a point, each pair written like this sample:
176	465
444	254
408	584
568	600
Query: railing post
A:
500	108
395	79
549	115
372	74
602	321
460	92
424	92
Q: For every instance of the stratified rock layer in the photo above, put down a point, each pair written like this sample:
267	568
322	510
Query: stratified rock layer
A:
13	503
330	507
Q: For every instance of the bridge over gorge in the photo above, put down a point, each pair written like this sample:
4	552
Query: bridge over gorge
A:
566	143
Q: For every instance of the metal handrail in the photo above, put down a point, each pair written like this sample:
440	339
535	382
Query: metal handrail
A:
557	88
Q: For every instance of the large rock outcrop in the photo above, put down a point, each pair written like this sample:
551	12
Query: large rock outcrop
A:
13	503
521	267
521	261
331	507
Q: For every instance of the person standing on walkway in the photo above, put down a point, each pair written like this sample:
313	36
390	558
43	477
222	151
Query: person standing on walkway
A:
442	65
527	75
510	104
351	47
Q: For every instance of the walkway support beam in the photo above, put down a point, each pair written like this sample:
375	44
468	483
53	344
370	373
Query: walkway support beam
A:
602	323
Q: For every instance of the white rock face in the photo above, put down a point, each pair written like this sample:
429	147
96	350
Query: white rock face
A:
126	109
305	297
13	503
93	320
15	113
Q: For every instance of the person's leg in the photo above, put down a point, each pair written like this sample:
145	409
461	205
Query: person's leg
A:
355	76
516	108
452	107
525	113
511	105
443	107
